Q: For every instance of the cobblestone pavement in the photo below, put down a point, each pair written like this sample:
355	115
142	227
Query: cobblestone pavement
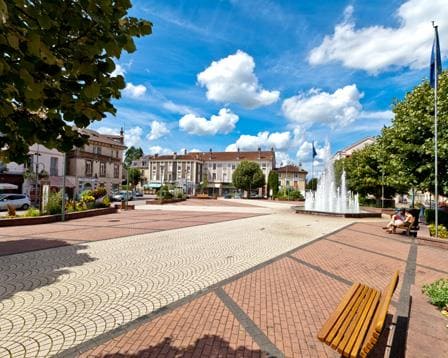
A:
277	308
55	299
126	223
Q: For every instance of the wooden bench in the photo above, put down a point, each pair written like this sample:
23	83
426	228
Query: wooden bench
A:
411	230
354	327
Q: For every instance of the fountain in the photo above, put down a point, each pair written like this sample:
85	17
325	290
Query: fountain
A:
331	200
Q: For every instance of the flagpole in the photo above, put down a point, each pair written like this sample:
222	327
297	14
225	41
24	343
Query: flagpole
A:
436	80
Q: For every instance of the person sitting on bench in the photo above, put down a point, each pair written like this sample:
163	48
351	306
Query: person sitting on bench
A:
402	220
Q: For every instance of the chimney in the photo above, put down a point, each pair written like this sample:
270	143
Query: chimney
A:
185	152
238	154
272	149
174	155
211	153
259	153
156	155
122	135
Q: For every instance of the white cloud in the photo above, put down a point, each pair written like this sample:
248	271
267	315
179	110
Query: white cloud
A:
382	115
158	130
157	149
265	140
282	158
378	48
232	80
132	136
134	91
119	70
222	123
339	108
176	108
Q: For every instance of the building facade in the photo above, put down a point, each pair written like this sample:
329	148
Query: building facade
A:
348	151
293	177
212	171
99	163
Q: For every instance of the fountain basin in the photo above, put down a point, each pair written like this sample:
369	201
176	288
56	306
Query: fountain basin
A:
361	214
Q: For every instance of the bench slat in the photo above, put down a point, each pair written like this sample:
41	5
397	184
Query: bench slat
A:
349	325
328	325
344	316
355	342
380	316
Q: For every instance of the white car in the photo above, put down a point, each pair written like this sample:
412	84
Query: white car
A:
19	201
120	196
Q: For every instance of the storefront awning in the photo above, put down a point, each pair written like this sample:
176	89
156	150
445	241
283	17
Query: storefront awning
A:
152	186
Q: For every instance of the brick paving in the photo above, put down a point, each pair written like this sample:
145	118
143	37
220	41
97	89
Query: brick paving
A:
289	298
255	287
56	299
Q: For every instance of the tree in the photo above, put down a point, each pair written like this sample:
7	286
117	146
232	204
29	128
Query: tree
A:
364	173
311	184
409	141
132	154
273	182
248	176
135	175
55	69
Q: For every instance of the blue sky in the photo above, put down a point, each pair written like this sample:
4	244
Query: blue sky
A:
248	73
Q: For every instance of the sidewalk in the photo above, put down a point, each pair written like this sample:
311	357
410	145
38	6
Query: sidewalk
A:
276	308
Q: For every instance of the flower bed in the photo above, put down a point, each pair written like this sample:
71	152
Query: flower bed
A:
163	201
203	196
45	219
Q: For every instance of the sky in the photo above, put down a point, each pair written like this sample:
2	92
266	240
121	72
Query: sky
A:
228	74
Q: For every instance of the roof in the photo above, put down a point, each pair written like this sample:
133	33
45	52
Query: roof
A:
102	138
219	156
291	169
356	144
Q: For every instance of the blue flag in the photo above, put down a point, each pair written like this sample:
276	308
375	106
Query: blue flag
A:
435	59
314	151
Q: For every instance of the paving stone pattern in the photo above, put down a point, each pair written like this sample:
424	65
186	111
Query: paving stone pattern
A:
55	299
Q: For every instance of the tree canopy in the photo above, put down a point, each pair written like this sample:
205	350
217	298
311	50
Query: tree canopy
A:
273	182
247	176
135	175
55	69
132	154
409	141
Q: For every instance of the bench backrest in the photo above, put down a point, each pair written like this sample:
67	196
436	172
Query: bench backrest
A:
380	316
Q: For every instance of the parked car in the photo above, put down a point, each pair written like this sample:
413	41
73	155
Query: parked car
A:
19	201
121	196
138	194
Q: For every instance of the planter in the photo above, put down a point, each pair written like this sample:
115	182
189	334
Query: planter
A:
163	201
122	206
45	219
200	196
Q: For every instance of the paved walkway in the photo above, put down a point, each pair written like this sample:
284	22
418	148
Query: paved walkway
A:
251	287
276	309
56	299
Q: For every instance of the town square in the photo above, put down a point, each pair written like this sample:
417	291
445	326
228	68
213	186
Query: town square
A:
226	178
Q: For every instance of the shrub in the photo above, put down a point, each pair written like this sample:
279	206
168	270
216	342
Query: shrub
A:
164	193
430	217
289	195
54	203
99	192
106	201
437	292
32	212
442	232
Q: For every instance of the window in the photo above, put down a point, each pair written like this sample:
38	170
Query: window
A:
98	150
102	169
89	168
214	176
233	166
116	154
214	166
220	165
116	170
54	166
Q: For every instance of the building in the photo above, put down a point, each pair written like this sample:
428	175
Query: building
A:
348	151
99	163
219	168
190	171
293	177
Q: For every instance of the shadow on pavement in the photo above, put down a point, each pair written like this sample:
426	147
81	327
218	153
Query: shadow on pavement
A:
31	270
207	346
